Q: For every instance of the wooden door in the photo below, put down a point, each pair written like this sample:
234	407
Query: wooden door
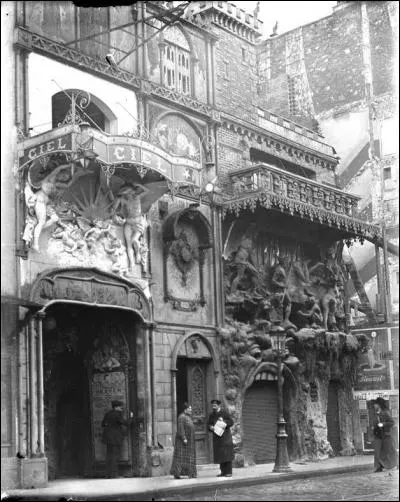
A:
197	396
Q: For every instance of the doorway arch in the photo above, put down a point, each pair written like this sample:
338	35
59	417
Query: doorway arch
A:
97	296
195	378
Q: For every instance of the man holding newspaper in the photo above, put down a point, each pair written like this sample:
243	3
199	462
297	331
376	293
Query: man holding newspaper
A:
220	424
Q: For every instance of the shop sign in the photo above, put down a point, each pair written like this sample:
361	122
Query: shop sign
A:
370	396
120	150
54	145
373	371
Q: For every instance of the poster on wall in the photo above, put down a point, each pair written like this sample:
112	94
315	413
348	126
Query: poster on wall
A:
106	387
373	370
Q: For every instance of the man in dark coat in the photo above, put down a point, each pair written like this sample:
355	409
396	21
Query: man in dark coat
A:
386	456
223	445
113	436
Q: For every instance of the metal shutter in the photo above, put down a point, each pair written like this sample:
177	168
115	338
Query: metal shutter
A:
259	421
332	417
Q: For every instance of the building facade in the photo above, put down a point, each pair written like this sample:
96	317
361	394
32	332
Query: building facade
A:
159	222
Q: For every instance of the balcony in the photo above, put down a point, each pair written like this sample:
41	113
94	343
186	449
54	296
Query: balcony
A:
272	187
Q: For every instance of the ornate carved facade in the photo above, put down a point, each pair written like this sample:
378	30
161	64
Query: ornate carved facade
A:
160	237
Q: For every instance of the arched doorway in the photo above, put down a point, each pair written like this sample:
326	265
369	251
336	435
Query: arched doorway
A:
195	369
89	344
89	359
260	410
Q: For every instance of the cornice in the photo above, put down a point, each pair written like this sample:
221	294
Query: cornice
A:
229	17
303	155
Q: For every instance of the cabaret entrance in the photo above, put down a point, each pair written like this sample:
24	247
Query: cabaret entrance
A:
88	346
89	359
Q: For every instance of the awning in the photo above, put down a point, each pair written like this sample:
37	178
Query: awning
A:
117	154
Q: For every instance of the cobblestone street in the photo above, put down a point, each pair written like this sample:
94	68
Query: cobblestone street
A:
355	486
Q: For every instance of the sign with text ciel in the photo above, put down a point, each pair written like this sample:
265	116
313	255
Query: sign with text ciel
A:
126	150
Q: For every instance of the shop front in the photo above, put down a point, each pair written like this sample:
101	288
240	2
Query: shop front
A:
376	377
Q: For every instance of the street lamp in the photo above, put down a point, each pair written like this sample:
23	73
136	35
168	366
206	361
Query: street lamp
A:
278	339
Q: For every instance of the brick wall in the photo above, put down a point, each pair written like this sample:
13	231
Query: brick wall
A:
236	79
381	46
333	60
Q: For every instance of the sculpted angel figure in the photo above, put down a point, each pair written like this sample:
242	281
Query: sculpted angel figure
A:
127	203
40	214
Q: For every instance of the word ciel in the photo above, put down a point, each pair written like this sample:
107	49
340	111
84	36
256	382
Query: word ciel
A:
50	146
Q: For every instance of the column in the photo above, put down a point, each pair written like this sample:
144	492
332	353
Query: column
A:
22	350
149	415
40	382
174	402
33	409
153	383
212	72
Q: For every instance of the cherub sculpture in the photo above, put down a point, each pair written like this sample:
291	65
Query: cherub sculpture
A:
40	214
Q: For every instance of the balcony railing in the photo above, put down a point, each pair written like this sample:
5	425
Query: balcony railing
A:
271	187
291	187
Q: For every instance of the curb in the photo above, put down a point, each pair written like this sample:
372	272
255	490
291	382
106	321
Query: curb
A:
193	489
235	483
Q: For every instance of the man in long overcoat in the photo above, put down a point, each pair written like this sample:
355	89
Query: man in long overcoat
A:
223	445
385	456
113	425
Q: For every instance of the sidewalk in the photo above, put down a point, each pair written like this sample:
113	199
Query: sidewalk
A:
157	488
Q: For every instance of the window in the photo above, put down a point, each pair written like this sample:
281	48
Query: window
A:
293	105
314	391
176	68
387	173
226	68
243	55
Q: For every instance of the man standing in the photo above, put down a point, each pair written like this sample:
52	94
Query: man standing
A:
223	445
113	436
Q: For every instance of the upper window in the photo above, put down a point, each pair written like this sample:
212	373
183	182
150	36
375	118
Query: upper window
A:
176	68
176	61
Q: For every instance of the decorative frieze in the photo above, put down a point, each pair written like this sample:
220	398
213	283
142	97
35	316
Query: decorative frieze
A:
37	43
180	99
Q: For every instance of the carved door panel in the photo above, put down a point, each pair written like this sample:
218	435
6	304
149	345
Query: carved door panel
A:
197	393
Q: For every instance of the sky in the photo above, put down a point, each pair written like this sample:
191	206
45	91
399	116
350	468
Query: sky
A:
289	14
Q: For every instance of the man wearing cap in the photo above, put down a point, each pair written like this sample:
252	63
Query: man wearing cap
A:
223	444
113	435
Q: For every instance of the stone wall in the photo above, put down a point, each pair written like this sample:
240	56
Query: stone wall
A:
236	76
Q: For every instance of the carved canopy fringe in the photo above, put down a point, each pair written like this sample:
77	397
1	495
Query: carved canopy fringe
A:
304	210
195	218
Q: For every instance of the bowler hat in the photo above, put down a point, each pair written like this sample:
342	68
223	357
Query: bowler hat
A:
116	403
215	401
382	402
